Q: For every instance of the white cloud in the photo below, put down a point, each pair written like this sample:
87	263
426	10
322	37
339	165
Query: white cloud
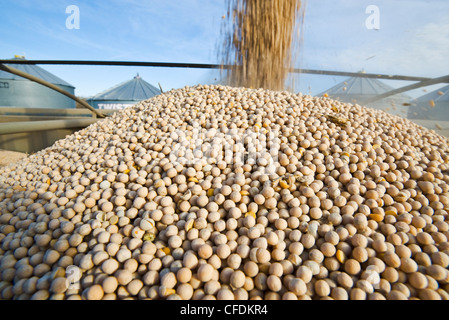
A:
413	38
424	52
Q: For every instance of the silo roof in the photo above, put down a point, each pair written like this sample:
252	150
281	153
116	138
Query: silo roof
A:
440	95
431	106
135	89
359	89
363	87
34	71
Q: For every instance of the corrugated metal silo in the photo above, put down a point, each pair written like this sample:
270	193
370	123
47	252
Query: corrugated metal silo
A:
16	91
124	95
358	89
432	106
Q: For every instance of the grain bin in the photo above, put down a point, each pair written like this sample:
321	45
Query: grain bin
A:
359	89
431	106
124	94
16	91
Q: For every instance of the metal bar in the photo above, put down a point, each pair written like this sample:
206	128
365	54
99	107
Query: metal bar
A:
360	75
49	85
407	88
118	63
6	111
22	117
44	111
31	126
208	66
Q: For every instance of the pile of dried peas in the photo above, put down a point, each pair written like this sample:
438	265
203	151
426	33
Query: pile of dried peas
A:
216	192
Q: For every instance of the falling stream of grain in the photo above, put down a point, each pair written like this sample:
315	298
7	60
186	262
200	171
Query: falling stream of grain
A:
260	41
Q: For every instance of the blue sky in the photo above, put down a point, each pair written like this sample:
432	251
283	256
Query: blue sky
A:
412	39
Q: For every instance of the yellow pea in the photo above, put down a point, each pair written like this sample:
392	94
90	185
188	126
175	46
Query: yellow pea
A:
340	255
284	185
391	213
376	217
189	225
250	213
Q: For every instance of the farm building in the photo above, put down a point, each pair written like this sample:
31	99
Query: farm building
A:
358	89
431	106
16	91
124	95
